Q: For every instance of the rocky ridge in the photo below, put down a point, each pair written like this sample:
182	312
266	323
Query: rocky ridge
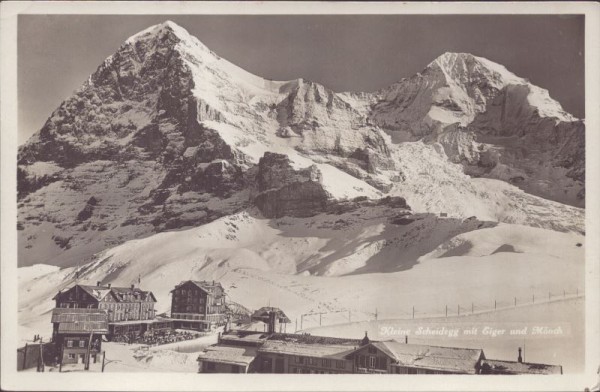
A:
166	134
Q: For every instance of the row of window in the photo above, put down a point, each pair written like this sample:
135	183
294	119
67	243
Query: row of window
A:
371	361
408	370
310	371
126	306
322	362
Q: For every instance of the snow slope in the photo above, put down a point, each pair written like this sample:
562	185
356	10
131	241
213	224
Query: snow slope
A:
388	266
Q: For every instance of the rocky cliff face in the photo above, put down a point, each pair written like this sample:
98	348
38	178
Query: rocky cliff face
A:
167	134
285	191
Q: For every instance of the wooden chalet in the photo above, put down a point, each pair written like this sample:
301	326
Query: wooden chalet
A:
392	357
198	305
77	333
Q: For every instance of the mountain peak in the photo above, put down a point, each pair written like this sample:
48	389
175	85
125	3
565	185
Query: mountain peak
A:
166	27
457	64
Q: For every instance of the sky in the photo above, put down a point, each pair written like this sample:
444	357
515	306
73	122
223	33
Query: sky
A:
57	53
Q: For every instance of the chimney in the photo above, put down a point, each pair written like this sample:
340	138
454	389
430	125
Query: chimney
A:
98	283
132	286
365	340
520	358
109	285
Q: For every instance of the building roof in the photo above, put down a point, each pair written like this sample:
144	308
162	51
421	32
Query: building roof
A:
262	314
333	351
80	320
206	286
493	366
100	292
451	359
255	339
234	355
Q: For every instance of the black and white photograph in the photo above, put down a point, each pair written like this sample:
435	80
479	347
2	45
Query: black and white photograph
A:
300	193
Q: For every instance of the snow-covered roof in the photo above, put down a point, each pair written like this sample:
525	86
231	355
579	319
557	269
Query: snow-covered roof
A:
451	359
262	314
99	292
80	320
229	354
206	286
492	366
333	351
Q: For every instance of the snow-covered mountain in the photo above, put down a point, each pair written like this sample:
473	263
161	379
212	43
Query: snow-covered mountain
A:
166	134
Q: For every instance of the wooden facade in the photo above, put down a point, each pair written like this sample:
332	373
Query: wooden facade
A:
198	305
77	333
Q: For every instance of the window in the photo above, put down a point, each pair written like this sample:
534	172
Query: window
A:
299	359
372	361
340	364
312	361
71	356
82	343
326	362
69	343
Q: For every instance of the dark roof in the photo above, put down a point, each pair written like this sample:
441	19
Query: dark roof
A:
493	366
450	359
99	292
262	314
206	286
80	320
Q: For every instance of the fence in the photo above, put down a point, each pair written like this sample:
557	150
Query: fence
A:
408	312
31	355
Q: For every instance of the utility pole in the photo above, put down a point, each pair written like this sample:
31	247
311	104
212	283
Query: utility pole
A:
42	353
87	356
